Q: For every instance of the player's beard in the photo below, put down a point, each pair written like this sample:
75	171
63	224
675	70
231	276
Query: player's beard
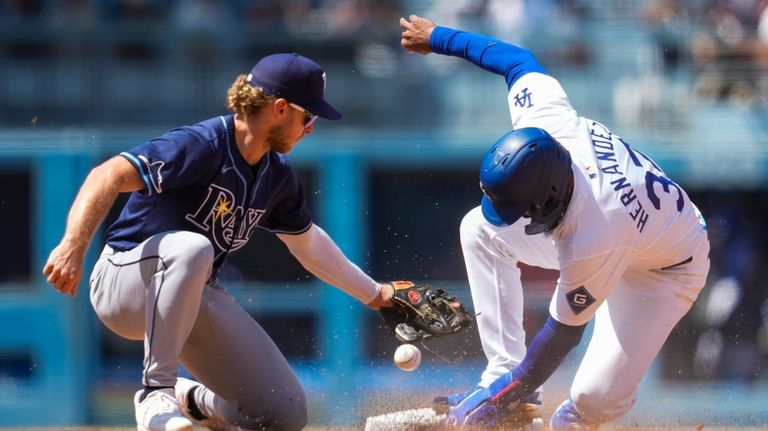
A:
278	140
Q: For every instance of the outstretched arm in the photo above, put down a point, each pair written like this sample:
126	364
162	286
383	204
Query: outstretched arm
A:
544	356
317	252
546	352
423	36
64	267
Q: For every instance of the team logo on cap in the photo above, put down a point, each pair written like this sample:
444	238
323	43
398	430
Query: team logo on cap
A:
579	299
325	80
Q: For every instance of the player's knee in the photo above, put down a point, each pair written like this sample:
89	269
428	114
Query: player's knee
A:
602	407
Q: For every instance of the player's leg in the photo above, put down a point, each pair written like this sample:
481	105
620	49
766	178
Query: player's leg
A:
491	255
153	293
630	329
201	404
247	380
619	353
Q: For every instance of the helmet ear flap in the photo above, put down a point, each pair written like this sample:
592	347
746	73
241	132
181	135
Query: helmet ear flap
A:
551	213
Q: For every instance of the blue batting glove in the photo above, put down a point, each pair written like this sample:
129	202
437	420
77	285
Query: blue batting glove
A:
484	406
471	408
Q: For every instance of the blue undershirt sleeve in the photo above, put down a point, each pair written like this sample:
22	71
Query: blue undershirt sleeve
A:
546	353
493	55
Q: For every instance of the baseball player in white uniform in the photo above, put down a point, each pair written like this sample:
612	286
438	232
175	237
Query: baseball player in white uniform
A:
564	192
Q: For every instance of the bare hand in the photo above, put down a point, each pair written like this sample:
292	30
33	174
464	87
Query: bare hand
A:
416	34
384	298
64	268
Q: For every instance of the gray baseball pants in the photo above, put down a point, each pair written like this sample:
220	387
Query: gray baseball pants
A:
159	292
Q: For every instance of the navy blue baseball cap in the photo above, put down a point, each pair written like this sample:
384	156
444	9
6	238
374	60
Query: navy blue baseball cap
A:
296	79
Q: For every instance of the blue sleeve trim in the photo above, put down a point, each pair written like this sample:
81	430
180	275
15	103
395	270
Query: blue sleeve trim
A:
142	171
493	55
546	353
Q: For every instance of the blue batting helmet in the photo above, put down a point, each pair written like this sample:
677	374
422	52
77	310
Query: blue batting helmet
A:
526	173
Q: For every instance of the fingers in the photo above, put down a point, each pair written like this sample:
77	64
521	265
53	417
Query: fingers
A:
405	36
409	36
64	281
51	272
408	23
70	287
407	28
62	276
416	34
405	44
417	21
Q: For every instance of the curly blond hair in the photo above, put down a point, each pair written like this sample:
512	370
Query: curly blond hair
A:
245	99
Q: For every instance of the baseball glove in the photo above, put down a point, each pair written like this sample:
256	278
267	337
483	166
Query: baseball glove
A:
423	311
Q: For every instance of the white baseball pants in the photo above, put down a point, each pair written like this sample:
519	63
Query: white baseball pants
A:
157	292
630	327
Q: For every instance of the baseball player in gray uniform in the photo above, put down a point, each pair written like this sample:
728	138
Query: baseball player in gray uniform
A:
197	194
564	192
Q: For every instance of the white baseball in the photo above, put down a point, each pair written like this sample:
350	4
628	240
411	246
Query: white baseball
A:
407	357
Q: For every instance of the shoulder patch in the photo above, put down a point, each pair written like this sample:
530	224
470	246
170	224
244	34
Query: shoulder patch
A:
153	169
523	99
579	299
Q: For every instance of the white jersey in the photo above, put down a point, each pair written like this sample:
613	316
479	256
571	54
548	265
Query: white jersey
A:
625	214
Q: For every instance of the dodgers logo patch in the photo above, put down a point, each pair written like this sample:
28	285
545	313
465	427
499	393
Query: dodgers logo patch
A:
579	299
523	99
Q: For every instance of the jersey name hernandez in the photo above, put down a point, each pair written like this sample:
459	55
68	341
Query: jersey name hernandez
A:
625	212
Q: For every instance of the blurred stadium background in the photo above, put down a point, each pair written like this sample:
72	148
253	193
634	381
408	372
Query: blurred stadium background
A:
80	80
